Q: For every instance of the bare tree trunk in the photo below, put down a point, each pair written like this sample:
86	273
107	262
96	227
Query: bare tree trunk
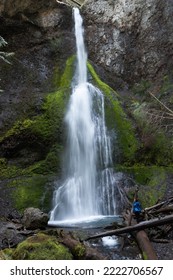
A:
145	246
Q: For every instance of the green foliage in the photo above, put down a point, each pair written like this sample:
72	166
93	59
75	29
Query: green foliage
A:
166	87
141	88
41	247
152	181
156	147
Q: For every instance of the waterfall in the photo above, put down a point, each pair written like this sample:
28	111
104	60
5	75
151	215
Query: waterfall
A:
89	187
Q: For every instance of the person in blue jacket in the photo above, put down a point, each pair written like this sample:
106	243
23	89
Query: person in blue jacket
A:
137	208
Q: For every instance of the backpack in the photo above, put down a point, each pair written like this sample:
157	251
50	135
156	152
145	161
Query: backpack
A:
137	207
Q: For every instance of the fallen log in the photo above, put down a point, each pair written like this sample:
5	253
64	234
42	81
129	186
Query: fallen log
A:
158	205
79	249
145	246
141	238
163	210
137	227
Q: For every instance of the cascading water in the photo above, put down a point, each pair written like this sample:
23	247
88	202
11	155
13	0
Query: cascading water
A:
89	188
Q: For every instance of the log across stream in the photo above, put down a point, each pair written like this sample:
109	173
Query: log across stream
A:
137	227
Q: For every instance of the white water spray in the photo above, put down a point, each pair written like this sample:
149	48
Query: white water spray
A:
89	188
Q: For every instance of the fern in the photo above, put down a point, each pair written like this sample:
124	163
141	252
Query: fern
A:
2	42
4	55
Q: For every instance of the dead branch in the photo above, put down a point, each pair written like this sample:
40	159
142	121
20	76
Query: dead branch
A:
163	105
160	240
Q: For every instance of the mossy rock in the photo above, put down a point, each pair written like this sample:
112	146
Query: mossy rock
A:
2	256
117	120
31	150
6	254
79	251
41	247
44	130
35	191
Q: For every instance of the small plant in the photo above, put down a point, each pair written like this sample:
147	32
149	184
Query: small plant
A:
4	55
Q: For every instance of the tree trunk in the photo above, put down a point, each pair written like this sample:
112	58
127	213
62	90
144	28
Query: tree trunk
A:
145	246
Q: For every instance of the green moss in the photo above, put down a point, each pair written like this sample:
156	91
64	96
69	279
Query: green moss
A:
8	171
6	254
44	130
50	165
79	251
33	185
101	85
117	119
35	191
144	255
49	125
18	128
41	247
56	77
42	138
3	162
66	78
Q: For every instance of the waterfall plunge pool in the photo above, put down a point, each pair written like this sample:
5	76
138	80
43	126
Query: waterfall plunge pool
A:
99	221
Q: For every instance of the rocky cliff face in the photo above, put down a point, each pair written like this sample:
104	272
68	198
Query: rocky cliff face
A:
43	13
41	37
131	39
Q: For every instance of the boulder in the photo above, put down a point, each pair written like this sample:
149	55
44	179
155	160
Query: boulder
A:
41	247
34	218
10	236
